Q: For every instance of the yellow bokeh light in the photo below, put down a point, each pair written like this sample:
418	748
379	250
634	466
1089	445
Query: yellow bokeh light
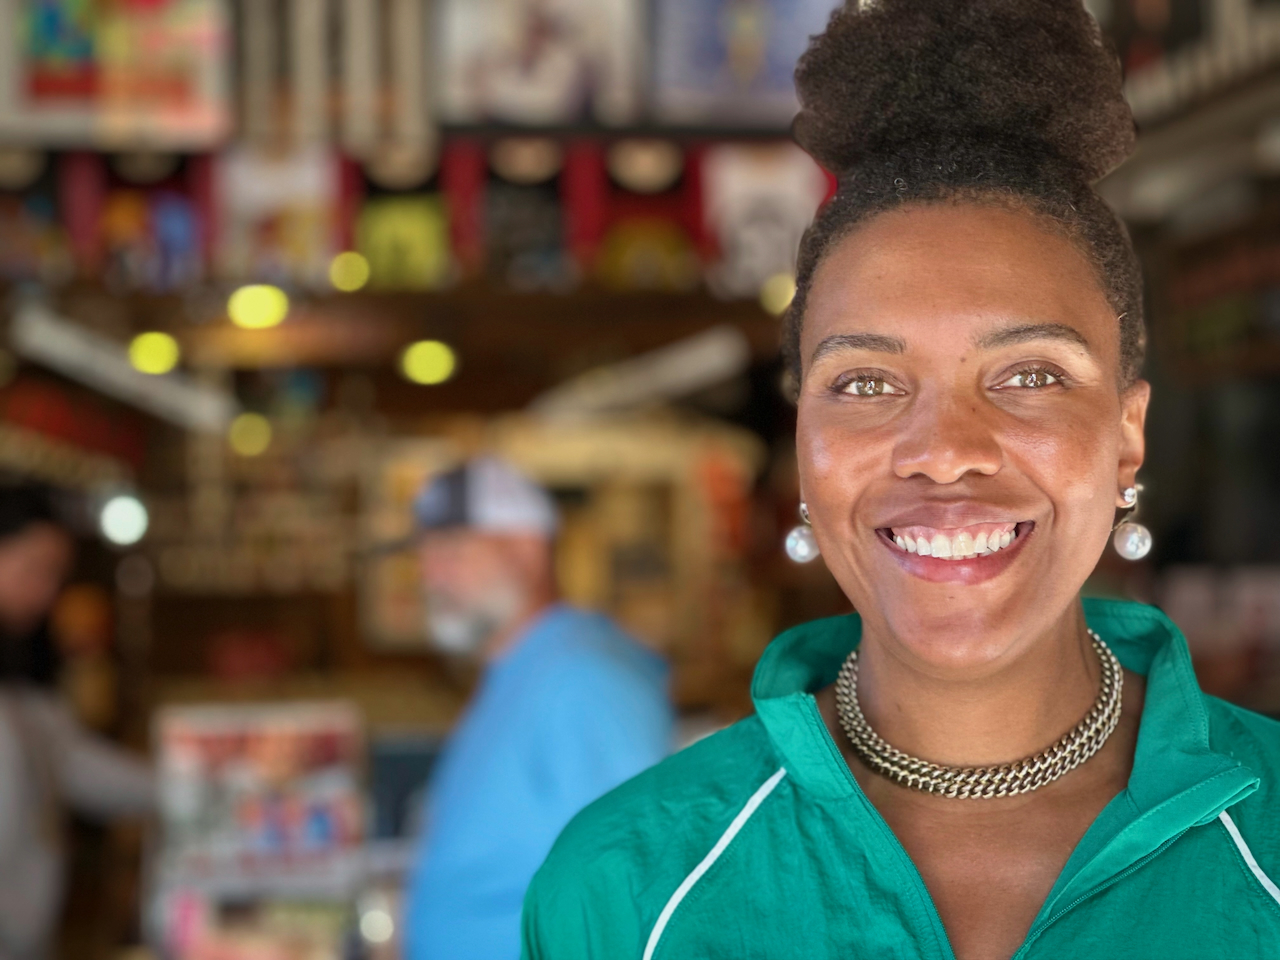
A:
777	293
258	306
250	434
349	271
428	362
154	353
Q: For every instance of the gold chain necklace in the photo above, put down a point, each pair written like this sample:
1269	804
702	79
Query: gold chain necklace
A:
1005	780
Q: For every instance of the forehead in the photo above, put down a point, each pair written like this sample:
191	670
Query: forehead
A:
946	272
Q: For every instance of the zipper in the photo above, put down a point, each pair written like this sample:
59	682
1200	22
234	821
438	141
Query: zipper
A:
1034	935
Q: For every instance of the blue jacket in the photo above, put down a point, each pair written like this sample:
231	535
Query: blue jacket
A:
573	709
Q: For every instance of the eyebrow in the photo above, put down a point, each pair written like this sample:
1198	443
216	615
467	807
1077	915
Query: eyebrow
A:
875	342
1026	332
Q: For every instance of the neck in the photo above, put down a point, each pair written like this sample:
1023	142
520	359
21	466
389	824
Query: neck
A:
506	636
1009	712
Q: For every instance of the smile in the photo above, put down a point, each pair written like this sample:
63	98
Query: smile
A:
963	543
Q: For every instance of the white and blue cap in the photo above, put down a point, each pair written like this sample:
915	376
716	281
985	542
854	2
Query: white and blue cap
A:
485	493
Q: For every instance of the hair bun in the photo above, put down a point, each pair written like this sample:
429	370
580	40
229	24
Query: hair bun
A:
911	77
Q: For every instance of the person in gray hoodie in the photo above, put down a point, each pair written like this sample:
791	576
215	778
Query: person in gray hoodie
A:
48	762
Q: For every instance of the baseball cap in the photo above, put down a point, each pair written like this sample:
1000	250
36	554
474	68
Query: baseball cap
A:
485	493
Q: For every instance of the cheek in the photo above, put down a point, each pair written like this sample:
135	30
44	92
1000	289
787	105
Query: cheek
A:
834	461
1070	458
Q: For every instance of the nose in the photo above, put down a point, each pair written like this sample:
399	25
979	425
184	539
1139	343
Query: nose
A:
944	438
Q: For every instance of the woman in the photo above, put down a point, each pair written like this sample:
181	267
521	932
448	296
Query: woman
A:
46	760
967	336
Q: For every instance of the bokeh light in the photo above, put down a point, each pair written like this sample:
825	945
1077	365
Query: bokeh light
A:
250	434
428	362
124	520
258	306
777	293
349	271
377	926
155	353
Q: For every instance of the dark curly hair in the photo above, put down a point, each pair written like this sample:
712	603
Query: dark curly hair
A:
1013	102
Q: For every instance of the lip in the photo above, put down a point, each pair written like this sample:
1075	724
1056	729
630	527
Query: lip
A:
968	572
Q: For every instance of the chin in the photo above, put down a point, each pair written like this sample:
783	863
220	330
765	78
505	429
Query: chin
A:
960	641
968	615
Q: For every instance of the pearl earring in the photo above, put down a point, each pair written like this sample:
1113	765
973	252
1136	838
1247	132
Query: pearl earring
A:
801	545
1131	540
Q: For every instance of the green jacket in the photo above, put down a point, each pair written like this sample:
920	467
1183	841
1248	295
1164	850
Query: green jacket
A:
757	843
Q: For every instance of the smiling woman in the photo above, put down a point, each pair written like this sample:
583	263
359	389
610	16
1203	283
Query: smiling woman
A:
977	764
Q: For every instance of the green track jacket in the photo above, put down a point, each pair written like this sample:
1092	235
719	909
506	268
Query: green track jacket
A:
757	843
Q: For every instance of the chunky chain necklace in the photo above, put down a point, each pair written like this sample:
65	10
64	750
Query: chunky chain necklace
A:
1005	780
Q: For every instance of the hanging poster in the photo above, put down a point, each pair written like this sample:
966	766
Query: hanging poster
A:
91	73
279	214
731	62
759	200
540	62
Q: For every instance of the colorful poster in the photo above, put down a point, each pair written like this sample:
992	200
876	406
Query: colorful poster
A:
540	62
731	62
87	72
253	787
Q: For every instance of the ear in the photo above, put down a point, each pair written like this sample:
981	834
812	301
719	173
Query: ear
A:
1133	441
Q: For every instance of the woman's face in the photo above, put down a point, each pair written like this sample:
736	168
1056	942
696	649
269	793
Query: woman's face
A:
961	389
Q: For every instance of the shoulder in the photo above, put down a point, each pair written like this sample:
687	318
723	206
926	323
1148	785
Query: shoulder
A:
1253	740
588	645
1249	737
621	858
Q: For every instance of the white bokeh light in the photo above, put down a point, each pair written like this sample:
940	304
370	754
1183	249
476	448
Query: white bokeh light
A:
124	520
376	925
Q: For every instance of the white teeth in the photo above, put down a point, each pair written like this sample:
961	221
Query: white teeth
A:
962	546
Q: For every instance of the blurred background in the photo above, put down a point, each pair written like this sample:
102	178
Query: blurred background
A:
265	265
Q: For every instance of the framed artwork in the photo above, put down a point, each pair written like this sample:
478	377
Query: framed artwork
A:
730	62
84	73
540	62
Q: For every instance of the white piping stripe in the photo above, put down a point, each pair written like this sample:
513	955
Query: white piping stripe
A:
722	844
1267	883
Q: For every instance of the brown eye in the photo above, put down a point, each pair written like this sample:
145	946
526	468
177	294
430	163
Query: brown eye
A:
1031	379
869	387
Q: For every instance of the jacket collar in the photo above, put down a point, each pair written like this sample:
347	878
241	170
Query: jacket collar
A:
1178	780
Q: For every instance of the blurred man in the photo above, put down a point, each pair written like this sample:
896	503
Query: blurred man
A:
568	707
46	760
